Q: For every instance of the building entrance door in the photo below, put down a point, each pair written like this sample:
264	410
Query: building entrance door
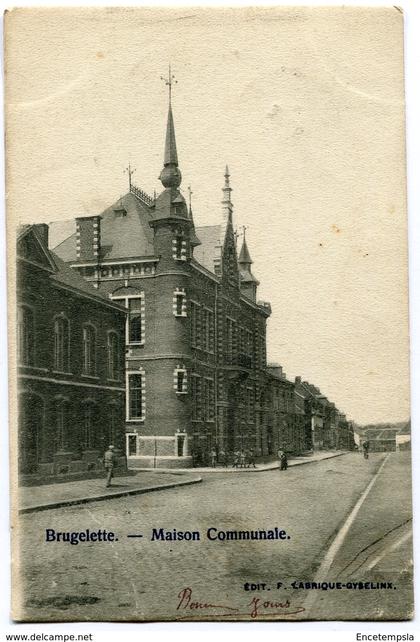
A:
231	418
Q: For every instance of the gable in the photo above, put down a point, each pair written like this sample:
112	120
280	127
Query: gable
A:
31	249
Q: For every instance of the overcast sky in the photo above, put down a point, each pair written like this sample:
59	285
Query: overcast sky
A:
306	107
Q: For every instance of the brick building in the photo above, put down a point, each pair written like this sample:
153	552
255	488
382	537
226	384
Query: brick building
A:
195	333
287	415
196	373
326	428
70	342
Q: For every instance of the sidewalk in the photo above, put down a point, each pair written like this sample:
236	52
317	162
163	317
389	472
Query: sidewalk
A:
36	498
48	496
270	465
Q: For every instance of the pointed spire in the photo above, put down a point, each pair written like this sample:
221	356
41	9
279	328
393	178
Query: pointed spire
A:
171	156
244	256
170	175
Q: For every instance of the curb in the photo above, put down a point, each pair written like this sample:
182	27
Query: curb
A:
223	470
99	498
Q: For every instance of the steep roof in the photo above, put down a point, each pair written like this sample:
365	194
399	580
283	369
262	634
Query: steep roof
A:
205	253
61	273
68	276
125	231
244	256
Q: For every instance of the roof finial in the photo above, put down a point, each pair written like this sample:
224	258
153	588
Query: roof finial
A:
227	190
169	81
130	171
190	193
244	229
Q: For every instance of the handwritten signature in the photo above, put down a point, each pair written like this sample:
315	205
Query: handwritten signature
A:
256	608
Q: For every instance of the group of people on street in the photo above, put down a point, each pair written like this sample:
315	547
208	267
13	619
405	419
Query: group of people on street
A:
239	459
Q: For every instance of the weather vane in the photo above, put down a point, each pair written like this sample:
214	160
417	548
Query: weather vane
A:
128	170
169	81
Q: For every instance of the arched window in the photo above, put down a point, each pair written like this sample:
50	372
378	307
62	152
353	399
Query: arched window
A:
89	350
61	344
134	320
113	364
26	336
61	424
89	423
115	425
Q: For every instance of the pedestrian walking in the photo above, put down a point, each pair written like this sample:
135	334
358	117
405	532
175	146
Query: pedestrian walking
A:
242	459
109	463
236	459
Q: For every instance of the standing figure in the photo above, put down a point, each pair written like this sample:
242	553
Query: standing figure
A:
222	458
109	463
366	449
251	458
213	456
283	461
242	458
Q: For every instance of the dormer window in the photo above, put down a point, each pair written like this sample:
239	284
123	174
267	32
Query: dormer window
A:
179	248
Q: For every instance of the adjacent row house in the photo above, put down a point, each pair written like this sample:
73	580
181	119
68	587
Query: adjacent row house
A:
70	359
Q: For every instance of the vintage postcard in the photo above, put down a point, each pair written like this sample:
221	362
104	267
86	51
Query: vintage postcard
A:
208	306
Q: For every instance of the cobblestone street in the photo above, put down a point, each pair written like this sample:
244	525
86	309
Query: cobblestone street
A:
136	578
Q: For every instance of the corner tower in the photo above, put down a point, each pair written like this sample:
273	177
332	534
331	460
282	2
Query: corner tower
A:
174	234
168	355
248	282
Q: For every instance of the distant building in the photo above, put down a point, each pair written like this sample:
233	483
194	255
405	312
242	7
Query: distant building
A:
70	342
287	417
381	440
403	441
325	427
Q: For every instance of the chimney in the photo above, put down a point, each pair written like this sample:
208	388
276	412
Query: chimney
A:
88	238
42	230
275	369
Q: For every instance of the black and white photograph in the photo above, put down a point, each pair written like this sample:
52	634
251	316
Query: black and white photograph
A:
208	315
